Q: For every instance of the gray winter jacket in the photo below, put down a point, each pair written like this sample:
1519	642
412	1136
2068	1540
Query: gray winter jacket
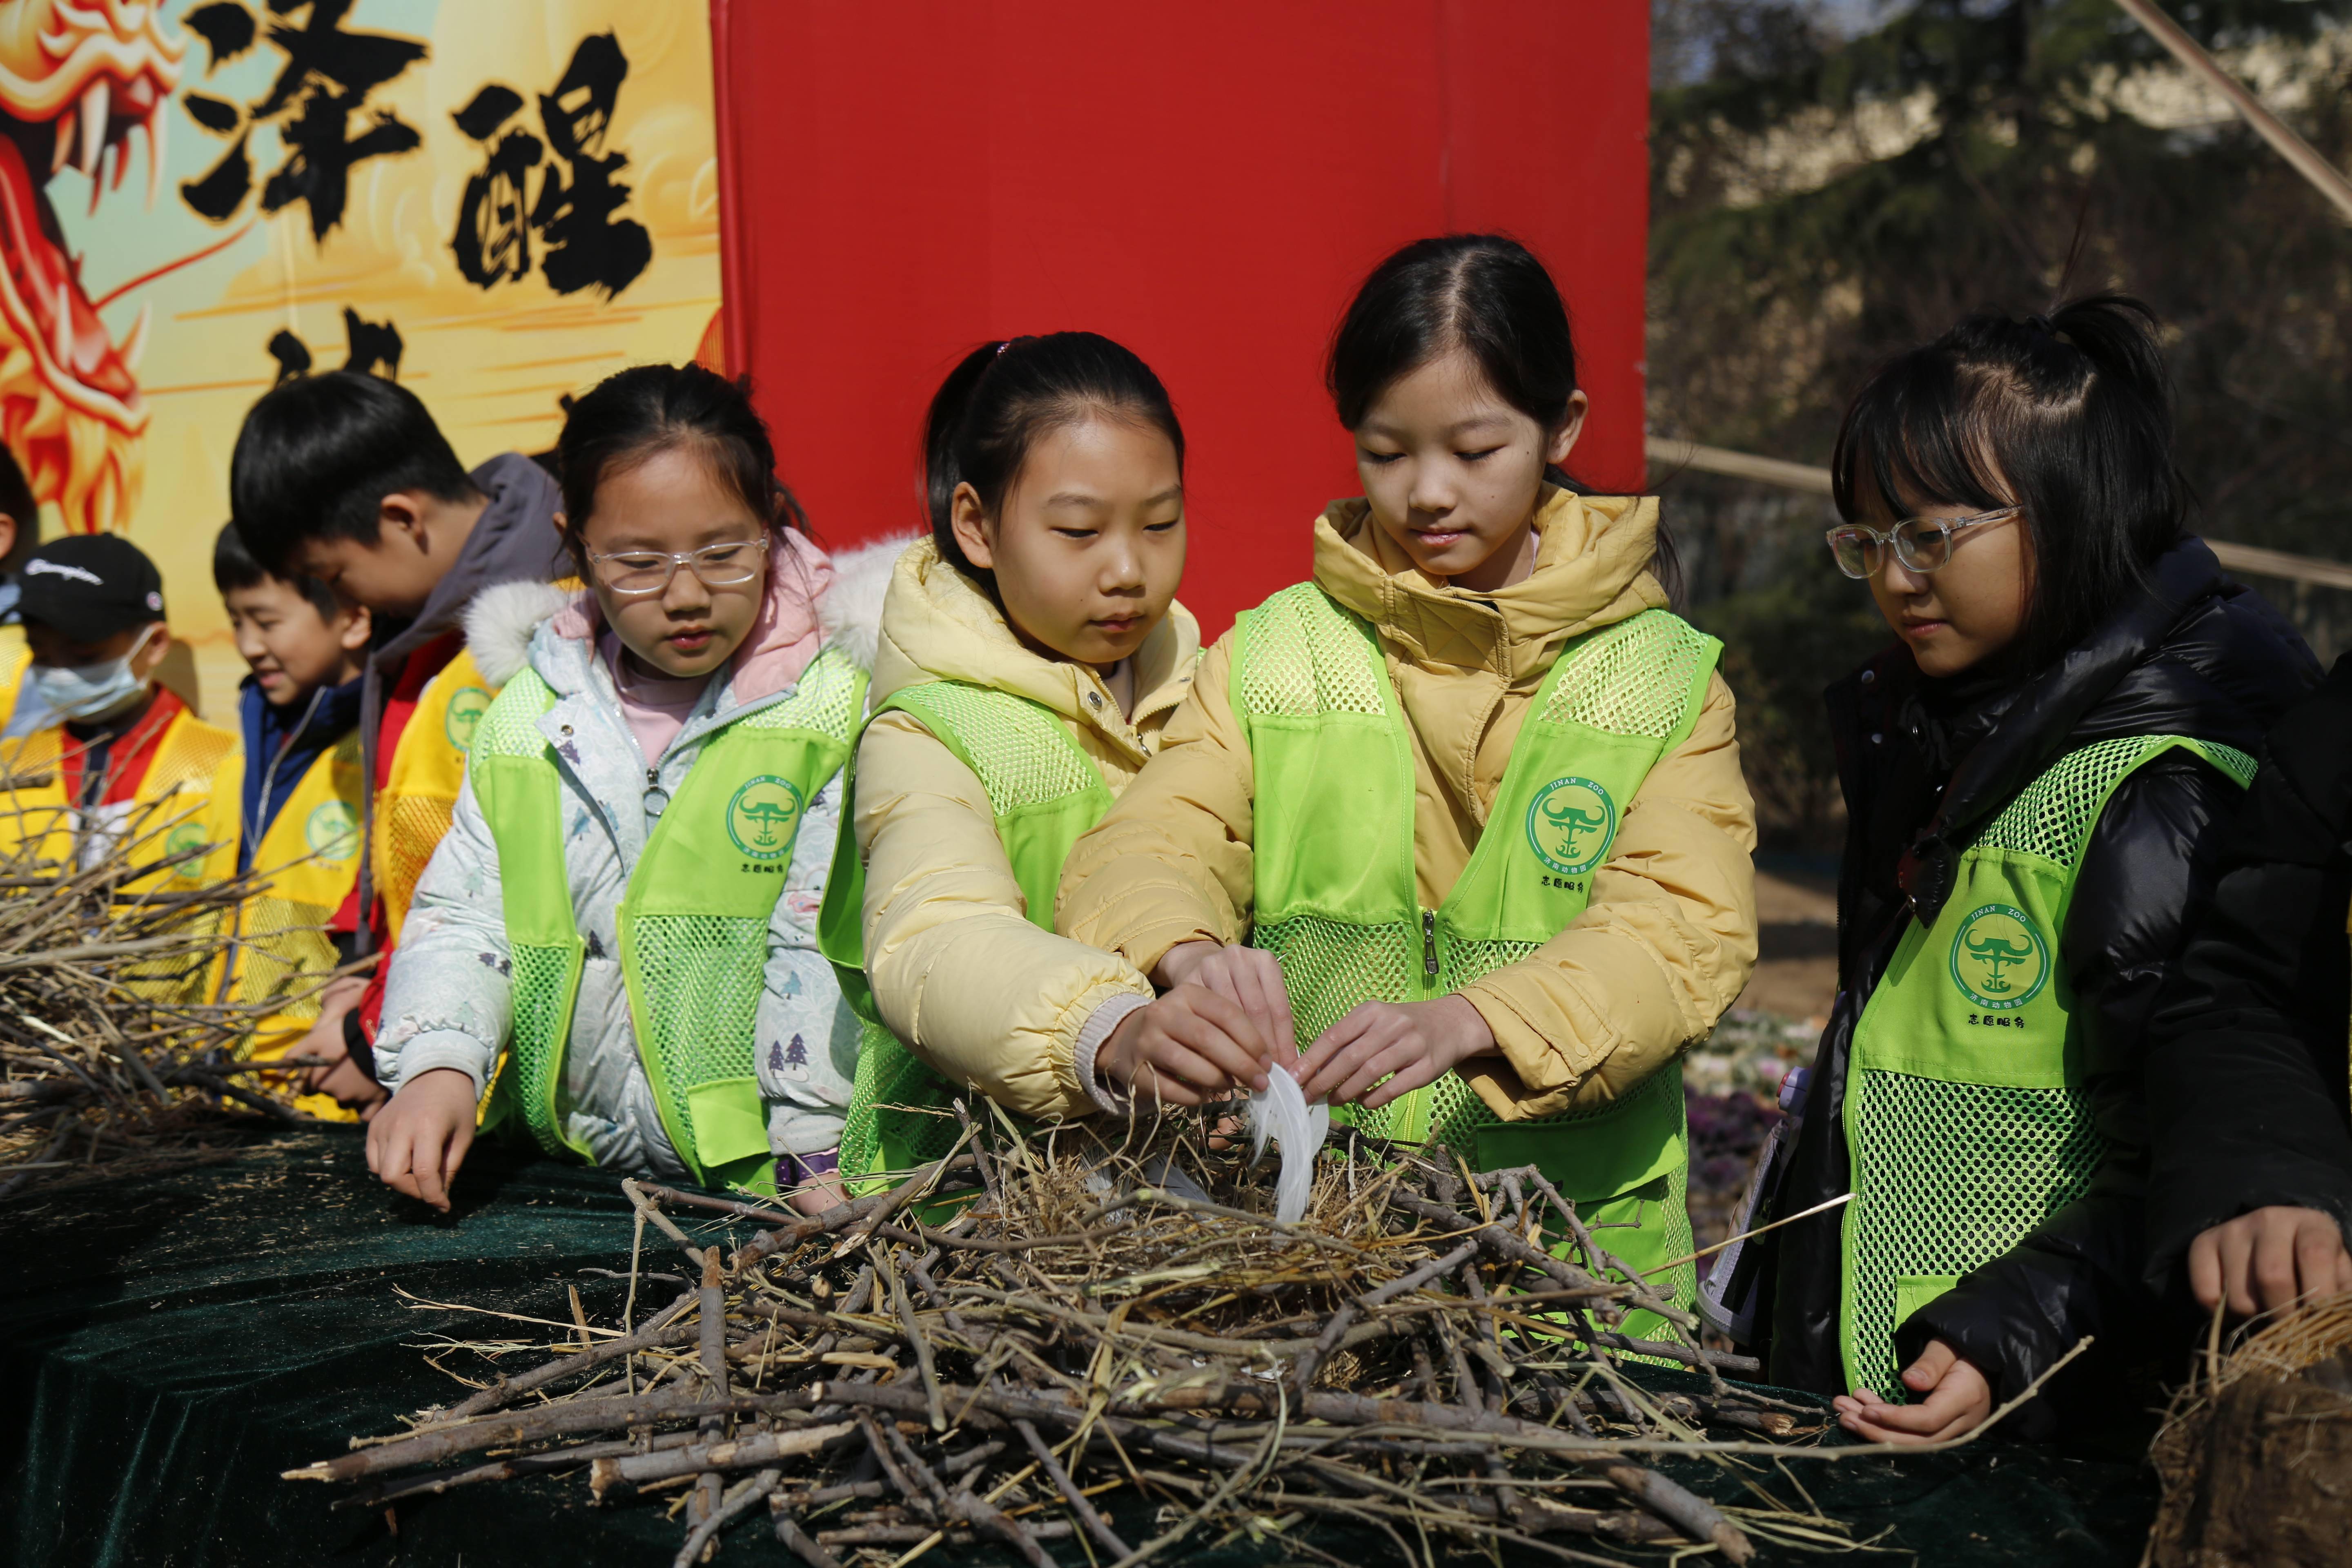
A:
448	1000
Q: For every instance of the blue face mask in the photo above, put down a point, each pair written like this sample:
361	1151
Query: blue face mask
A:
54	694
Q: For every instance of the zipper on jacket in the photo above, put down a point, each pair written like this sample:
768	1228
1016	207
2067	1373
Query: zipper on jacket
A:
1429	949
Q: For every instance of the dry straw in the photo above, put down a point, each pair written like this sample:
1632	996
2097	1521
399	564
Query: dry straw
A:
111	1045
1054	1344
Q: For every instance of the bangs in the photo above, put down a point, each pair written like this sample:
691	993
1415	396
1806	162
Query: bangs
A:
1918	435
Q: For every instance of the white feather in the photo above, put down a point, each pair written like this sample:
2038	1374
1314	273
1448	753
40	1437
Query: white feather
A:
1280	1112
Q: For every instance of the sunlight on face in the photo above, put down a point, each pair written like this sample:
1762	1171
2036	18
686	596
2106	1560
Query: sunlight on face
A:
289	646
394	576
1452	472
668	505
1089	545
1967	610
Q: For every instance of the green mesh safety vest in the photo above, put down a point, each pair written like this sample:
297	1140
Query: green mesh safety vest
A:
693	923
1967	1111
1335	898
1045	792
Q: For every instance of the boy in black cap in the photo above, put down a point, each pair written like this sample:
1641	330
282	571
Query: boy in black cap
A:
95	752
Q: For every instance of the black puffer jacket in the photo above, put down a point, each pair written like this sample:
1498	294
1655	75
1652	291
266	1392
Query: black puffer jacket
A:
1926	766
2247	1060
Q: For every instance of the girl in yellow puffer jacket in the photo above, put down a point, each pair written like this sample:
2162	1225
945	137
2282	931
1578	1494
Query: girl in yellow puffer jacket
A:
1031	650
1463	816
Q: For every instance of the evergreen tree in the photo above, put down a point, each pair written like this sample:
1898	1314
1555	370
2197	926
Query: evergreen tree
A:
1821	202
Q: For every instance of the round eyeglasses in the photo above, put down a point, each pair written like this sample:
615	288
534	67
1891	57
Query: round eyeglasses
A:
637	573
1923	544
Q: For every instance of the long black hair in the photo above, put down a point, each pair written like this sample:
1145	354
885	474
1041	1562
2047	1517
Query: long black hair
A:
1002	397
1488	295
634	414
2067	416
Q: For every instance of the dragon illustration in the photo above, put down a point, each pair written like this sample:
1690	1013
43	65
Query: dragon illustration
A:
79	84
1998	951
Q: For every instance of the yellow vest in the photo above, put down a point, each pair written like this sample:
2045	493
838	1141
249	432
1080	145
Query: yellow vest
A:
420	792
16	656
311	858
187	800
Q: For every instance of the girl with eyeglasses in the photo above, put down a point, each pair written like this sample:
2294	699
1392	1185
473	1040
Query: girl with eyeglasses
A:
613	952
2038	777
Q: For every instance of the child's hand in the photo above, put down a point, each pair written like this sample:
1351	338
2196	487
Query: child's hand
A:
1420	1042
1958	1399
814	1197
1190	1047
1247	975
324	1042
2264	1260
417	1142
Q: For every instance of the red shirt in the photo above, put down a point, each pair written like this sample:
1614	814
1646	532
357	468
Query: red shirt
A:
122	759
399	706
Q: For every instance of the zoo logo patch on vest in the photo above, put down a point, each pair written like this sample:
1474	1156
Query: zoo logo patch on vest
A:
332	831
188	838
466	706
1570	823
761	815
2000	961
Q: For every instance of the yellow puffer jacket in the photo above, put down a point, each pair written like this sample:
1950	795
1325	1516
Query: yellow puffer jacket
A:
957	970
1670	935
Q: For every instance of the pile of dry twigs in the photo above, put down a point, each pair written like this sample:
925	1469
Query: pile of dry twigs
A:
111	1045
1034	1323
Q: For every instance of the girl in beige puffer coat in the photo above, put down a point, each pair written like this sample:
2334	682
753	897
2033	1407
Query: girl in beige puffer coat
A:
1045	598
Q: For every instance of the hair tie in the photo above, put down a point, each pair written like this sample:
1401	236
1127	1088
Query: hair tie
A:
1001	347
2042	324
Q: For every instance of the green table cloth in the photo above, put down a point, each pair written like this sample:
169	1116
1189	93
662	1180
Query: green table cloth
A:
170	1342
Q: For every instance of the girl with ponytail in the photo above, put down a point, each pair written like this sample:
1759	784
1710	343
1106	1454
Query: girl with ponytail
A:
1459	823
2038	776
1031	651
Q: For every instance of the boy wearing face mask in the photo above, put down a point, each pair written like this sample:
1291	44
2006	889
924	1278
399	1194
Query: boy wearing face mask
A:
96	753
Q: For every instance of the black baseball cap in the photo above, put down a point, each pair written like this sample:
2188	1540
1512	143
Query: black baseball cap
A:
90	587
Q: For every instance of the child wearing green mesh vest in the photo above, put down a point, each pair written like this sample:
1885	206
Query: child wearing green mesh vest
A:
1462	819
2038	776
1032	651
624	906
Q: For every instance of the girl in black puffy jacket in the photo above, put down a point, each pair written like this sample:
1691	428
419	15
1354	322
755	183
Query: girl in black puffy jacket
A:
2037	777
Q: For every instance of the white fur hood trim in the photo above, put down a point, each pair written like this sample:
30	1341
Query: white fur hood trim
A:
851	610
499	623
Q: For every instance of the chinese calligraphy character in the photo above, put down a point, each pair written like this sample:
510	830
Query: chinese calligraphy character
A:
493	239
325	81
586	245
373	348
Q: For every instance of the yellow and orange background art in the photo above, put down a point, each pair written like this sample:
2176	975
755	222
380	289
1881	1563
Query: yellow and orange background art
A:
199	196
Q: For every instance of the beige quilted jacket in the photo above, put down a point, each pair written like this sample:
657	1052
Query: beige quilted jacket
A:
1670	935
959	971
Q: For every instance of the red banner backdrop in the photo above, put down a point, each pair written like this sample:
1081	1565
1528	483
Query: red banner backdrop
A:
1205	181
